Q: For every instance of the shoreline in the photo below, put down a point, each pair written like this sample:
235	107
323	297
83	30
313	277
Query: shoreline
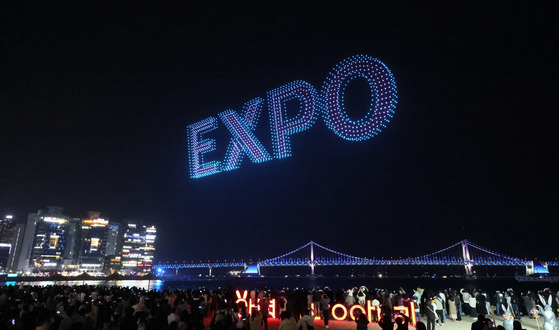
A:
520	280
75	278
465	324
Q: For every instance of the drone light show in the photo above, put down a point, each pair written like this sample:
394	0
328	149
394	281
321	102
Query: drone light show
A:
328	103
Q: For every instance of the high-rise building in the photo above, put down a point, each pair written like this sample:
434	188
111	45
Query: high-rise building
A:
26	246
112	264
16	247
99	241
73	245
114	246
112	239
44	241
11	237
7	228
138	248
95	232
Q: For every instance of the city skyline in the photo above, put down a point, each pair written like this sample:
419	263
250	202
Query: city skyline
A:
51	241
97	101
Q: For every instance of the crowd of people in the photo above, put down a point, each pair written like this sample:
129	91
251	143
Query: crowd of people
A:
102	307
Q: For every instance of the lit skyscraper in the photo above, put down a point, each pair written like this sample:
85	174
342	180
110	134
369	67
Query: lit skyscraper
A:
44	242
95	232
73	245
7	228
16	247
112	238
138	248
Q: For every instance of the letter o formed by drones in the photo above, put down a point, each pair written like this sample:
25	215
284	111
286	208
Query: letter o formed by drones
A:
383	100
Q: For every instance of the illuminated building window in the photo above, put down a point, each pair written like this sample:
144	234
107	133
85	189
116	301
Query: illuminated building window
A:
53	242
94	244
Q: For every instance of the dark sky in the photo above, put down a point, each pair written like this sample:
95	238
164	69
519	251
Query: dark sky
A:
96	100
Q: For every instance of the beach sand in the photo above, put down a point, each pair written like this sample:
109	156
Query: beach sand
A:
465	324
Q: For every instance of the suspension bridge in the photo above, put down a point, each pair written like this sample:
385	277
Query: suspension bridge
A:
312	254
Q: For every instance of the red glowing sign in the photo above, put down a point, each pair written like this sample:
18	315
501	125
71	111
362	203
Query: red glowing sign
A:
250	304
339	311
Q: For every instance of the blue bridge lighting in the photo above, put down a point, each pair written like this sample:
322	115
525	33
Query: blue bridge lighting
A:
463	253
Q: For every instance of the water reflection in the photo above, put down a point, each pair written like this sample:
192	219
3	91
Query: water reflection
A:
143	284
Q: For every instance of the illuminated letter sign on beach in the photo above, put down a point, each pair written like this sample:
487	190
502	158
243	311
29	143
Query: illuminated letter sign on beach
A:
329	103
340	312
251	305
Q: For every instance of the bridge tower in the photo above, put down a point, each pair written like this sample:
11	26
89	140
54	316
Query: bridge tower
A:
466	256
312	258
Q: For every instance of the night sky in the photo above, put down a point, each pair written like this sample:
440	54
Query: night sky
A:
96	100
